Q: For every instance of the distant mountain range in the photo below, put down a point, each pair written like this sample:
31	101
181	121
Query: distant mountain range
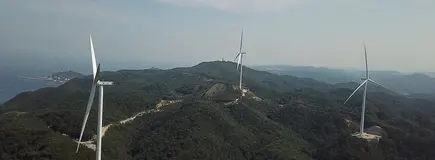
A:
416	83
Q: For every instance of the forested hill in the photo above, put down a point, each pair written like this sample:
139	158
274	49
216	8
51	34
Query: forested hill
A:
281	117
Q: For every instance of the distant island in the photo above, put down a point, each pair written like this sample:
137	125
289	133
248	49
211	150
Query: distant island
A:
63	76
58	77
154	68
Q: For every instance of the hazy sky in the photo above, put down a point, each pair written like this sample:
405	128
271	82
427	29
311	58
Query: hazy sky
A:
400	34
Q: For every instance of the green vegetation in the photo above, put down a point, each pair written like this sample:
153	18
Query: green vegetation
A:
202	130
297	118
24	136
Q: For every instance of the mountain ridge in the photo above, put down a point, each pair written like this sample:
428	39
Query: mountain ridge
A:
296	118
414	83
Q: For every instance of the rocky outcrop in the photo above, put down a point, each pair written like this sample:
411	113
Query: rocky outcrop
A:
166	102
215	90
221	92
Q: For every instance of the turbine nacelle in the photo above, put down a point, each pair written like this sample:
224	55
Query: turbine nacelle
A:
104	83
97	80
239	58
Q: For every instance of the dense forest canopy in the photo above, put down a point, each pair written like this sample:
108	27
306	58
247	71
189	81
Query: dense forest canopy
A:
282	117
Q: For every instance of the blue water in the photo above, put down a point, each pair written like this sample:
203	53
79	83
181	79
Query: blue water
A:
13	67
12	83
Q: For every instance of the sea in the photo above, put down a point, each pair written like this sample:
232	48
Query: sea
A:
19	76
14	81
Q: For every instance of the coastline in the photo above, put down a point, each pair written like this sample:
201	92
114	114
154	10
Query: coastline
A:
43	78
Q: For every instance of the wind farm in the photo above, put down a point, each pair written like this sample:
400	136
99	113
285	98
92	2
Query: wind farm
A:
181	91
151	112
206	80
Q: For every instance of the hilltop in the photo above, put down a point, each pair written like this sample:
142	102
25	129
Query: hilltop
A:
290	118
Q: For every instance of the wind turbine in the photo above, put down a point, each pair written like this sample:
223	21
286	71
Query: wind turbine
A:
364	83
240	61
96	82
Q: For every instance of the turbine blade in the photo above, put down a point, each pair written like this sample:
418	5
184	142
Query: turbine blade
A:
94	61
97	74
355	91
376	83
238	61
88	109
237	56
365	55
241	42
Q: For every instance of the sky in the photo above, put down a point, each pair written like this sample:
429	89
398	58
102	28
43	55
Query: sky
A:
400	34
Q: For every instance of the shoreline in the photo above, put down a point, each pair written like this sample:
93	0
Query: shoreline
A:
41	78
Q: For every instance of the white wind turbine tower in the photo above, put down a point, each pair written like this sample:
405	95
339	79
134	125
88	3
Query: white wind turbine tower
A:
240	61
365	82
96	82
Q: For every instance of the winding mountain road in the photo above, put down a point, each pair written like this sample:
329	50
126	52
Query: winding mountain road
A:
90	144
